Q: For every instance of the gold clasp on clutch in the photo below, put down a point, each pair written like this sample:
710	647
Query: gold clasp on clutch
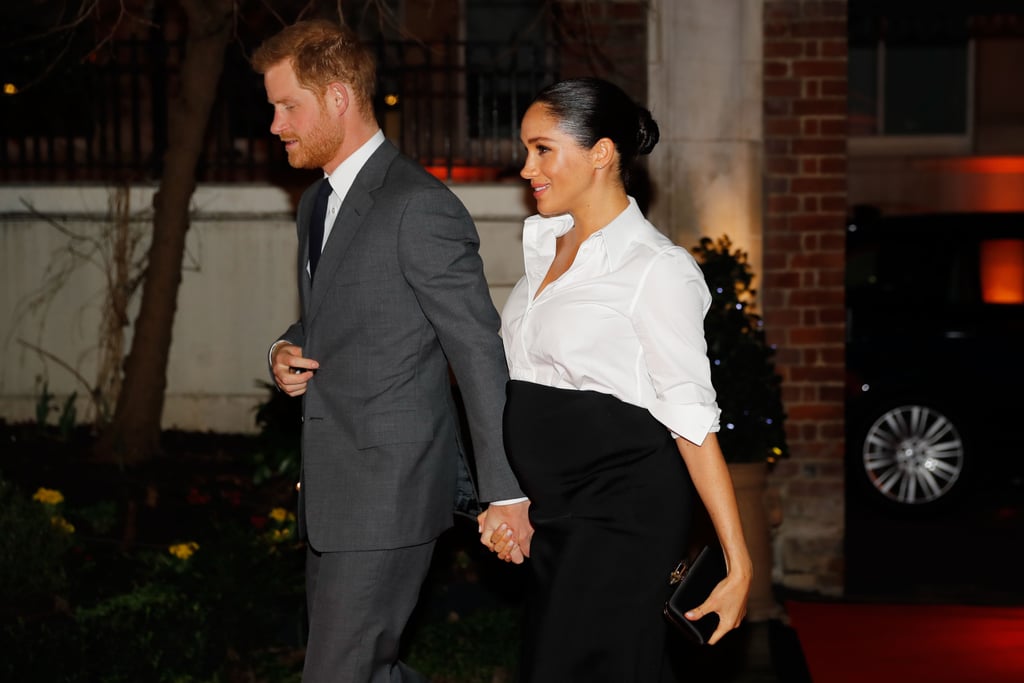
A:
678	573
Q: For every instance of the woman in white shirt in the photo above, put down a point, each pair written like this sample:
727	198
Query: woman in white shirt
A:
610	384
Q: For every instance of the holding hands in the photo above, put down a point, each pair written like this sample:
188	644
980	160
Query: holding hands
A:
506	531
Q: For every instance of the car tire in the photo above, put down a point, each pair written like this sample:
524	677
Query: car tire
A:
910	454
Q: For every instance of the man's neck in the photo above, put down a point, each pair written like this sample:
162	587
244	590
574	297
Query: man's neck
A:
355	137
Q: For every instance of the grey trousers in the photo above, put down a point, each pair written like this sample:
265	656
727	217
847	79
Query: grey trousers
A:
359	603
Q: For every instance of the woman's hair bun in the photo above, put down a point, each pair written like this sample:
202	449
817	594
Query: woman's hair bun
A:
647	133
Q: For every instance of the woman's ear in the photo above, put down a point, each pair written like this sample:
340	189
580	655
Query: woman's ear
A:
603	153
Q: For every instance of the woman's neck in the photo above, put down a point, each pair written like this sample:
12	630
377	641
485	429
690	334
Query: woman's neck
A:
591	216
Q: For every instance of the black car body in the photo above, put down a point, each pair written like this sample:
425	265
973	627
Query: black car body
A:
934	355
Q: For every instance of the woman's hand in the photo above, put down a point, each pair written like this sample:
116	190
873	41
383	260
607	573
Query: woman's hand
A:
506	531
728	600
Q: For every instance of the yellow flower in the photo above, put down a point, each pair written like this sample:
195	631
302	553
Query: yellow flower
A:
48	496
281	534
62	524
183	551
280	515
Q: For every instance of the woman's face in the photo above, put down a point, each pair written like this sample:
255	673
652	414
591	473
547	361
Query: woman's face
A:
560	171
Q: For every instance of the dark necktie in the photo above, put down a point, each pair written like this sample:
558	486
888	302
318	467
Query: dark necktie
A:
316	225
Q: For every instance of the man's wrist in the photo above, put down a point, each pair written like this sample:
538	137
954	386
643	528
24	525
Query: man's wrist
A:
273	350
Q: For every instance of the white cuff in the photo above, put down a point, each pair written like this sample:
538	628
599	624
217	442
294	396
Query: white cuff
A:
273	347
692	421
510	501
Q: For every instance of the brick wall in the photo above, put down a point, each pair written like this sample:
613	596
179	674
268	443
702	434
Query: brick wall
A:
804	211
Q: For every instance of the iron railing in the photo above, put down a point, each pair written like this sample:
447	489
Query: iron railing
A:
452	105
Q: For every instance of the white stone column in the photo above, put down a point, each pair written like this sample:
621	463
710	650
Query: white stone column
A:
704	90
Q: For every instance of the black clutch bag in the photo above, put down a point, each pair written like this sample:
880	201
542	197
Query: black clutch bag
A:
693	583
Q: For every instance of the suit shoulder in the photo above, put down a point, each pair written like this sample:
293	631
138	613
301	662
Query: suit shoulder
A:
408	178
413	173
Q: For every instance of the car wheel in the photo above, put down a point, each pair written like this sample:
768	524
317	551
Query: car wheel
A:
913	455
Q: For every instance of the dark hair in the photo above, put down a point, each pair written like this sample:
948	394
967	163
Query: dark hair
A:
321	51
589	109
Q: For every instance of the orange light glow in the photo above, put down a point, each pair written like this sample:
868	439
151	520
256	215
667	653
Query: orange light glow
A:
464	174
996	165
1002	271
977	183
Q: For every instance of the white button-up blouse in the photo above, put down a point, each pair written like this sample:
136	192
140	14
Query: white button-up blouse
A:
626	319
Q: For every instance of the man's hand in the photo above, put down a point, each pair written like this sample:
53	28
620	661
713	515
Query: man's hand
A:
291	371
506	530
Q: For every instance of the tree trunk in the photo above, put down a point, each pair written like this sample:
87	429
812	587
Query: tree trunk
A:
134	432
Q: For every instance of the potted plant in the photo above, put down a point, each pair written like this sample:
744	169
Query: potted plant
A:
742	362
749	394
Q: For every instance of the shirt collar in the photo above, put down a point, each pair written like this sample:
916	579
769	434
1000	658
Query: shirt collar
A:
621	232
540	233
343	177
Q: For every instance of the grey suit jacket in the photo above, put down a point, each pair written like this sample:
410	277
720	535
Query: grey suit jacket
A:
399	295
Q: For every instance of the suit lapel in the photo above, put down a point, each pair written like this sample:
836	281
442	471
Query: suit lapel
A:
305	214
350	220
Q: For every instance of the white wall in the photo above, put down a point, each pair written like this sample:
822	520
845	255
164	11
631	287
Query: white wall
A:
237	293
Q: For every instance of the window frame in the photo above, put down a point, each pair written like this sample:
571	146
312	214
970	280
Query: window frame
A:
881	144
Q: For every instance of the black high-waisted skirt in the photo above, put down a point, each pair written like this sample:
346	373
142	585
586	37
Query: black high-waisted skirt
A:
610	505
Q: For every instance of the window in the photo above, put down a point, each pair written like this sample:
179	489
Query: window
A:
909	90
506	63
910	79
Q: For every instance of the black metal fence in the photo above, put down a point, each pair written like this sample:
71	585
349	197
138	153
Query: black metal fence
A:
454	106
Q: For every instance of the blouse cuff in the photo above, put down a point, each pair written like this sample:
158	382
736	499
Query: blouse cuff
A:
692	421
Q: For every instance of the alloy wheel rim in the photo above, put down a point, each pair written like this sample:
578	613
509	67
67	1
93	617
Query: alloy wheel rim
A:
913	455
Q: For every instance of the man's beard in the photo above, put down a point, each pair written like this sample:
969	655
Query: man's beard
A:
317	148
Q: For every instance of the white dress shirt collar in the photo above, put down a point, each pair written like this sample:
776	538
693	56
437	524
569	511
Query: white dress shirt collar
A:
540	233
343	177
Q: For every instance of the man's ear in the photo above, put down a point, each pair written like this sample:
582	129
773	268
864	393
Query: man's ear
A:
603	153
336	97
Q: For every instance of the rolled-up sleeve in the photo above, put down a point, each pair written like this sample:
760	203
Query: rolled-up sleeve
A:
668	316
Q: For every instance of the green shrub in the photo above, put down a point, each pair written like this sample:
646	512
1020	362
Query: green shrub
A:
742	361
34	540
481	647
279	419
225	606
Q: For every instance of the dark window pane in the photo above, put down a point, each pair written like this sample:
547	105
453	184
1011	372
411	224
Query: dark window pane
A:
504	36
926	89
862	70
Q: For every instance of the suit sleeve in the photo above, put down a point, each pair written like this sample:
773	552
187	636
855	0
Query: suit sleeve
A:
439	252
295	333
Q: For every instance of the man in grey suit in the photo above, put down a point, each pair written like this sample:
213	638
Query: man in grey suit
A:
391	295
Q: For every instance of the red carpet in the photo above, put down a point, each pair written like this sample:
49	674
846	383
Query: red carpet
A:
868	643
